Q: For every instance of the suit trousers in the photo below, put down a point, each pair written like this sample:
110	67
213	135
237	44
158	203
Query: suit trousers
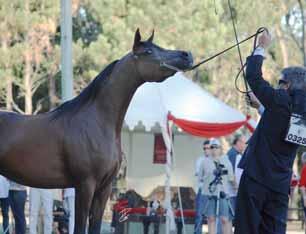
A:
259	210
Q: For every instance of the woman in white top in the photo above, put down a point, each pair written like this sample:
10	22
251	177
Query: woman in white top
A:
217	175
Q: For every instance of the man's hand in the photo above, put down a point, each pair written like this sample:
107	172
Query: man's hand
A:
264	40
252	100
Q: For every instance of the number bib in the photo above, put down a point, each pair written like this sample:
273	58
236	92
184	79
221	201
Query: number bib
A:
297	130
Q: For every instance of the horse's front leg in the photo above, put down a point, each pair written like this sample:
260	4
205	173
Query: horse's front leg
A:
97	209
83	199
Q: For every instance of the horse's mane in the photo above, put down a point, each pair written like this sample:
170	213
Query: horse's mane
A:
87	95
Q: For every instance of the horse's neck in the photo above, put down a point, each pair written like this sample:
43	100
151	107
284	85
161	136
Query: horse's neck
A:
114	100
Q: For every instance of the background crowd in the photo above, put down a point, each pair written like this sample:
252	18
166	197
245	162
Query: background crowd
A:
14	196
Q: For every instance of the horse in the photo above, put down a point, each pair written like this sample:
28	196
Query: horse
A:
78	144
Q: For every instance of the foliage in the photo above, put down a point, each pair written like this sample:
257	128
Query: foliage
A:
103	31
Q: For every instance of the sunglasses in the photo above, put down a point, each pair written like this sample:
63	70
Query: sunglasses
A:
206	148
214	147
282	82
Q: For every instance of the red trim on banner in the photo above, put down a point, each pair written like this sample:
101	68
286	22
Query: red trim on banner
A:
202	129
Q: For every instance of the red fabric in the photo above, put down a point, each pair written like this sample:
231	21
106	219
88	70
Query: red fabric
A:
303	177
248	125
120	205
137	211
160	150
202	129
186	213
294	183
177	213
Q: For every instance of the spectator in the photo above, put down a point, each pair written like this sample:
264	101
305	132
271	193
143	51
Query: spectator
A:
153	215
200	197
217	174
4	202
187	204
38	197
234	156
17	200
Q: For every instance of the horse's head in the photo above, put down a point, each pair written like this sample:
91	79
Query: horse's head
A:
155	64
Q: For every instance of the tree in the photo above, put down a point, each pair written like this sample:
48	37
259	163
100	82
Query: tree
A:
36	51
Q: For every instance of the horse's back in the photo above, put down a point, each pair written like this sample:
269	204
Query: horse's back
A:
10	123
8	118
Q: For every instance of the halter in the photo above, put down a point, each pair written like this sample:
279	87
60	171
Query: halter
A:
161	62
164	64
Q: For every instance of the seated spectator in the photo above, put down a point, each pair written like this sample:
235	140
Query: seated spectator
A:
61	217
69	197
187	204
153	216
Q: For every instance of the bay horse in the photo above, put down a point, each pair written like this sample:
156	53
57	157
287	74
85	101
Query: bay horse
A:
78	144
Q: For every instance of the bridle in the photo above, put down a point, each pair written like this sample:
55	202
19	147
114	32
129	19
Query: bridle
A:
161	62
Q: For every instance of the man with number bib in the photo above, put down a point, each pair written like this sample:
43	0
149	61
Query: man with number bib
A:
262	201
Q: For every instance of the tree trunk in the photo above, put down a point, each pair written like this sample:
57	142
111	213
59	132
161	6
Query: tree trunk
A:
9	93
52	92
28	68
303	32
282	44
9	81
28	84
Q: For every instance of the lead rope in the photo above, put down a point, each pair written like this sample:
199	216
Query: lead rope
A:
240	58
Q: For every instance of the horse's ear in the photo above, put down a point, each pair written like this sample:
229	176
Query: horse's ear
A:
151	37
137	39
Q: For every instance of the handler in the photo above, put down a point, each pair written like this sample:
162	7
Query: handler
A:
262	201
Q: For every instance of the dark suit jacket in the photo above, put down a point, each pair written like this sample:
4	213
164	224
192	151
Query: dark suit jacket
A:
232	156
268	158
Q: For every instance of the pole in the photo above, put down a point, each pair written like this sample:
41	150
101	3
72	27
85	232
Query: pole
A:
170	221
66	50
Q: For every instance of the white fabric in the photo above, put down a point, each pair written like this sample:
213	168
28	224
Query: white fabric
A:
261	109
148	108
38	196
208	167
4	187
183	98
238	171
259	51
69	192
144	176
69	206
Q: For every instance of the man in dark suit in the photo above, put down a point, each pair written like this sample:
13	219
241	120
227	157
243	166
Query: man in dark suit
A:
262	201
